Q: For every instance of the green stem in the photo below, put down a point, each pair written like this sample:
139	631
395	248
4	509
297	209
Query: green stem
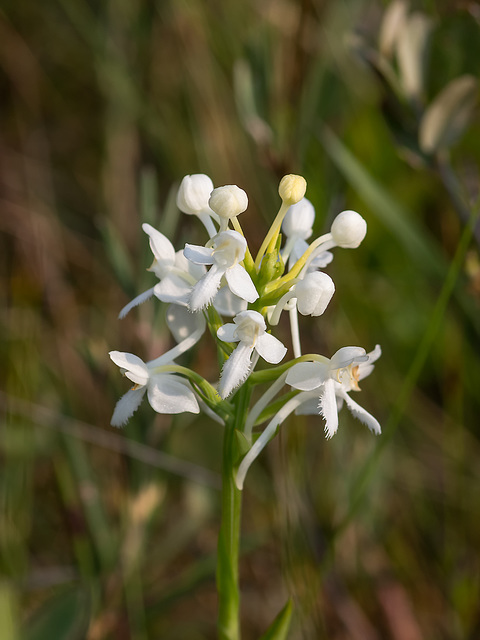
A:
229	536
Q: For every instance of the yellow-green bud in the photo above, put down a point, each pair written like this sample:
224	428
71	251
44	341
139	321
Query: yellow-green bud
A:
292	188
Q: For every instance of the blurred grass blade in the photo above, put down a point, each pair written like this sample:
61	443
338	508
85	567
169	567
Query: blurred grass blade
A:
118	256
8	612
63	617
280	626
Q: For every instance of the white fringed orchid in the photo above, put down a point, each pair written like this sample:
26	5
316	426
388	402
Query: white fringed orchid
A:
167	392
310	296
224	252
332	380
249	330
324	386
176	274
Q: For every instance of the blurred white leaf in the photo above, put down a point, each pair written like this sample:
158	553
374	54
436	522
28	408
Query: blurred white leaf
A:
393	20
449	114
412	53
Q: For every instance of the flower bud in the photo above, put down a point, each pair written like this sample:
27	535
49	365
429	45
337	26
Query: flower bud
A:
193	194
299	219
313	293
348	229
228	201
292	188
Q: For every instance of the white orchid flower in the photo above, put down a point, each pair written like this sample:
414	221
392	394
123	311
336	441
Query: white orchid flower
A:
332	380
249	330
224	252
324	386
310	296
192	198
167	392
176	274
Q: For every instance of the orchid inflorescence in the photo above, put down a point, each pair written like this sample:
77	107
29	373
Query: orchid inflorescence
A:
203	284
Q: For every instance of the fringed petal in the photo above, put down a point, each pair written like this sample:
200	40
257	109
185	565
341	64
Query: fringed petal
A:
146	295
126	406
235	370
361	414
205	290
328	408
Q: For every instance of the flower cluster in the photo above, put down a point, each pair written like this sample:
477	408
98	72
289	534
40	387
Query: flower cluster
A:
205	284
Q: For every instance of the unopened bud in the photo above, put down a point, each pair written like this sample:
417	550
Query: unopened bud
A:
292	188
228	201
193	194
348	229
313	293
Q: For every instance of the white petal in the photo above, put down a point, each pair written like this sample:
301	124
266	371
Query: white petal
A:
270	348
161	247
328	408
182	323
362	415
135	369
197	254
307	375
227	303
173	288
227	332
195	270
168	393
235	370
321	260
204	291
126	406
346	355
240	283
135	302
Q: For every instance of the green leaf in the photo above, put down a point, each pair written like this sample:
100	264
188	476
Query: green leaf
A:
64	617
279	628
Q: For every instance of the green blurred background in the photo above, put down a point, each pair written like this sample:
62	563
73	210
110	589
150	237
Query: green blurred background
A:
105	106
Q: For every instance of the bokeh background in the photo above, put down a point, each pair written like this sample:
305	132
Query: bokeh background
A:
105	106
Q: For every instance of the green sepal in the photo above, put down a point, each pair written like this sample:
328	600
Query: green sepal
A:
272	267
279	628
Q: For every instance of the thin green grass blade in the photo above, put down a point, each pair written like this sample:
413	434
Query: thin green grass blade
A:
280	626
